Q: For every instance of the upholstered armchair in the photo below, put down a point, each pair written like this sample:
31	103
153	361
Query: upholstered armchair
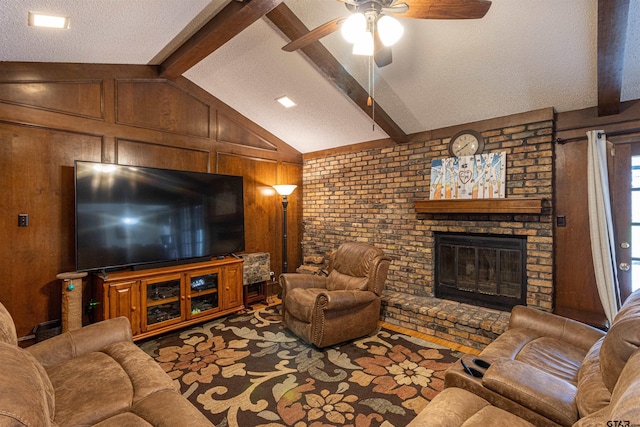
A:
327	310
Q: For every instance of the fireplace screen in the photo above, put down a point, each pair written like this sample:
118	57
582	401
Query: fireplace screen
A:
481	270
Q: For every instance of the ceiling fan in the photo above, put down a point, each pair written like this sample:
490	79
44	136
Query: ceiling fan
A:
372	29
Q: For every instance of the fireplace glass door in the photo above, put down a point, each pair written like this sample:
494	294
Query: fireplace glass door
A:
481	270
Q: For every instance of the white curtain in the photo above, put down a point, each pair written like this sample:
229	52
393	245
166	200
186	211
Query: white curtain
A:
601	225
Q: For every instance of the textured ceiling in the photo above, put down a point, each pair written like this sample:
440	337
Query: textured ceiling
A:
523	55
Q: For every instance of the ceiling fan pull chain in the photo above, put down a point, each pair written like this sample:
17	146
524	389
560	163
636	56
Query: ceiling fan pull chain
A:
372	87
372	97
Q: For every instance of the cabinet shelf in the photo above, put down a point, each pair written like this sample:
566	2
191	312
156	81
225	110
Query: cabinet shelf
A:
154	302
205	292
521	205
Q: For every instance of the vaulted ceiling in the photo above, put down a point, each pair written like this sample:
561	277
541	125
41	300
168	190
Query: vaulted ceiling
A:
523	55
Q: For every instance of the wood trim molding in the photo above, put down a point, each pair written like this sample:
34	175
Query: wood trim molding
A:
379	143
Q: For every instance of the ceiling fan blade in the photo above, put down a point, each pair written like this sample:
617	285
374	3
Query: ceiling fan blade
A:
382	54
398	9
446	9
314	35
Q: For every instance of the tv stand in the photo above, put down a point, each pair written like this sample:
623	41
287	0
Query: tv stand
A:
158	300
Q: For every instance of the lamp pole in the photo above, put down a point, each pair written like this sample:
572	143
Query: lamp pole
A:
284	191
285	202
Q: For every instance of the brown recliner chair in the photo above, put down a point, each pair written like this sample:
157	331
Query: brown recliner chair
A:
341	306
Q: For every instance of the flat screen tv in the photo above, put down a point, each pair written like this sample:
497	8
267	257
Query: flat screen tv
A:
141	217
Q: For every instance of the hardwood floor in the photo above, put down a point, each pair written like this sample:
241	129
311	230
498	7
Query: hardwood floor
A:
430	338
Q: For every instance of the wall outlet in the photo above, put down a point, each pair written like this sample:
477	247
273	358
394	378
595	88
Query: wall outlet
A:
23	220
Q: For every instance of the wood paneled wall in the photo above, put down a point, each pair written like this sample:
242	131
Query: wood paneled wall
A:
54	114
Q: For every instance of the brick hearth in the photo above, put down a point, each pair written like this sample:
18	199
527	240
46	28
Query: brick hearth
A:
369	196
453	321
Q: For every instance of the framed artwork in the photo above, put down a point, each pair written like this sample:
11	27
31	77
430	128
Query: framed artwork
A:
469	177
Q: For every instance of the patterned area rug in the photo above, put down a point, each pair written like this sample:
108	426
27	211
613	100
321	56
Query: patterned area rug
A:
248	370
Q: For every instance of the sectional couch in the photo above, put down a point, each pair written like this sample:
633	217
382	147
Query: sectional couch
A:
94	376
546	370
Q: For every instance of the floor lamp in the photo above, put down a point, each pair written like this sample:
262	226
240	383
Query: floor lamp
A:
284	191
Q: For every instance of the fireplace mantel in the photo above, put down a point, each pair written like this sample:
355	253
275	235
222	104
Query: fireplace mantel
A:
522	205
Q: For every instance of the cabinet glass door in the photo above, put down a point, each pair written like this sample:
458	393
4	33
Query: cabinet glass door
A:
203	292
163	301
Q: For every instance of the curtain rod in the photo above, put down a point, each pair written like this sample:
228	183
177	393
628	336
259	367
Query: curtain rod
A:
579	138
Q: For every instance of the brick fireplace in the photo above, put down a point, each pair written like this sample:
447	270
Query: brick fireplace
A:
370	196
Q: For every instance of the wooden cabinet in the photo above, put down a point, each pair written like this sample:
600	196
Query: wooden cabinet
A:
124	298
162	299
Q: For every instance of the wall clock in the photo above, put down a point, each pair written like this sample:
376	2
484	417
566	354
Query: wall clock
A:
466	143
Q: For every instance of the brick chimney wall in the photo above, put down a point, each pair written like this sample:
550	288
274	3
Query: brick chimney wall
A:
368	196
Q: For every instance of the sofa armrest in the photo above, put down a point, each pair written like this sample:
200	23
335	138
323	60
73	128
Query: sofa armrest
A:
290	281
345	299
75	343
533	388
554	326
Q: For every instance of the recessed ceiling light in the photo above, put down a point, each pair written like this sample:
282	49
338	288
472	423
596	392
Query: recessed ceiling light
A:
286	101
49	21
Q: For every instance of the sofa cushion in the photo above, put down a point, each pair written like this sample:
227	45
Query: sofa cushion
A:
26	394
623	409
144	373
553	356
456	407
626	394
592	395
338	281
350	267
548	354
112	381
622	340
169	408
533	388
106	389
166	408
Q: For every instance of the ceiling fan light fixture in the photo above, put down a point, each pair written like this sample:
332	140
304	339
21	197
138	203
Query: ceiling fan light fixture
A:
390	30
353	27
364	45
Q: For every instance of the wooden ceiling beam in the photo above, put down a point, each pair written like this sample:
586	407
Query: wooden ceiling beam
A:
228	23
287	22
612	33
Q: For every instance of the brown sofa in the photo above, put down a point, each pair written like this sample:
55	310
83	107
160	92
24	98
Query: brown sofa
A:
94	376
343	306
547	370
